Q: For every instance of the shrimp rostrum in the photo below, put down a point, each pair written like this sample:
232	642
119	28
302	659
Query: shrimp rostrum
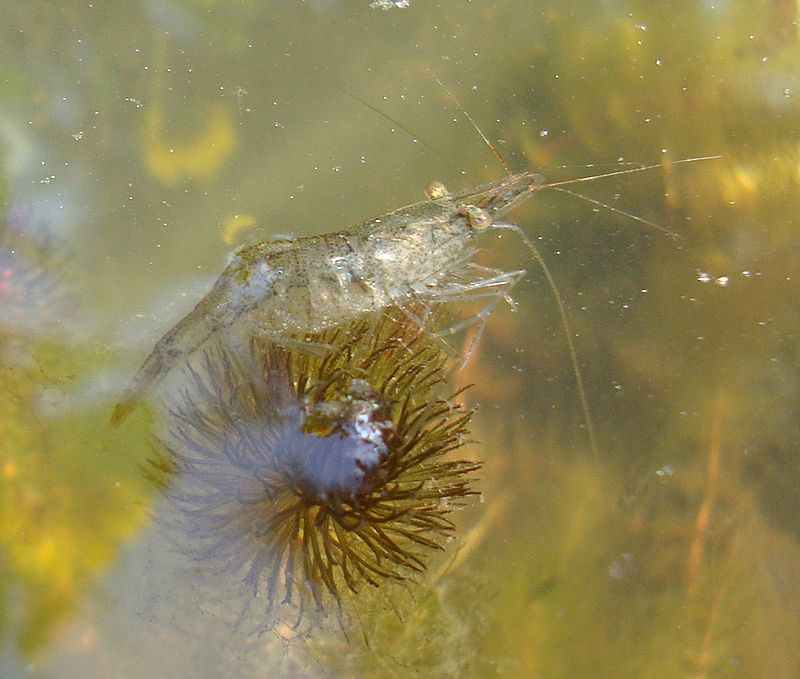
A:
421	254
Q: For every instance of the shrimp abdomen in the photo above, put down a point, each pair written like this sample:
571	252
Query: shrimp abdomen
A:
221	308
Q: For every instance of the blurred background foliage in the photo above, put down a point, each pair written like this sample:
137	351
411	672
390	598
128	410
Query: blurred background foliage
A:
69	496
141	141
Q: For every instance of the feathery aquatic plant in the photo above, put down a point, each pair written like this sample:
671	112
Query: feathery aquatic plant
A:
313	473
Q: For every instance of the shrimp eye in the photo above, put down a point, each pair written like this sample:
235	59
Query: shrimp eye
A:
435	190
478	218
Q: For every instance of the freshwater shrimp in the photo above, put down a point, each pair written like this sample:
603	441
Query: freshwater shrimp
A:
420	254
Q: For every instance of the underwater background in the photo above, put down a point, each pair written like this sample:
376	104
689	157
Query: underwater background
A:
141	142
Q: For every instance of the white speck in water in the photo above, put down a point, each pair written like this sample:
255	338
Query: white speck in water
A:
621	568
666	470
544	133
722	281
390	4
704	277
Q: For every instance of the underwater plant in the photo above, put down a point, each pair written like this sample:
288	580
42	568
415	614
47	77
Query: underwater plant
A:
310	474
35	298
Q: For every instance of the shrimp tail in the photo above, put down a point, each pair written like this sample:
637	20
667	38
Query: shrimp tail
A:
166	352
191	332
123	408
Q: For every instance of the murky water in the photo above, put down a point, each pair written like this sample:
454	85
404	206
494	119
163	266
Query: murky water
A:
142	142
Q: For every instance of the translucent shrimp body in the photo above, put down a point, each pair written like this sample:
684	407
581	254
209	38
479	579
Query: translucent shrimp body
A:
420	253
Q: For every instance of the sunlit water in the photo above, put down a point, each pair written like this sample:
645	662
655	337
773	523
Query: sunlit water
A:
143	142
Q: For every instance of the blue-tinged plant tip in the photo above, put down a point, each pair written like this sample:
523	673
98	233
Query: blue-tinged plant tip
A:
314	473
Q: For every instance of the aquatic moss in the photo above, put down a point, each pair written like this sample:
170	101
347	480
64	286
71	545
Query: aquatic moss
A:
312	474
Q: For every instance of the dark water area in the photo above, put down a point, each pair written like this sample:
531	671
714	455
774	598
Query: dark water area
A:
142	142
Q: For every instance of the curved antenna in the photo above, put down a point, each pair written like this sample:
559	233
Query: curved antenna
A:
562	312
486	140
628	170
653	225
559	186
551	282
414	136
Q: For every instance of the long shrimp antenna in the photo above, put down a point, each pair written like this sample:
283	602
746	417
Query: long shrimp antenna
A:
537	256
539	259
559	186
565	324
551	282
414	136
463	111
